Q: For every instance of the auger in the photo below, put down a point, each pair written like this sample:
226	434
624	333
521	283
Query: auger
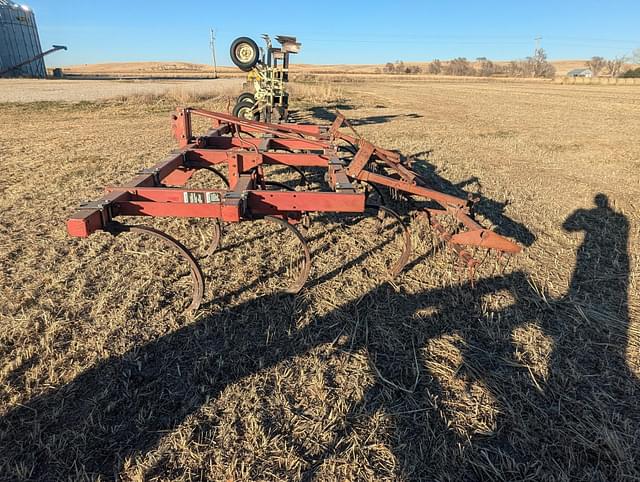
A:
354	169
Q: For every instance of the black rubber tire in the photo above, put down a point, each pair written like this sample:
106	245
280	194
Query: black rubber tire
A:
247	96
247	65
241	106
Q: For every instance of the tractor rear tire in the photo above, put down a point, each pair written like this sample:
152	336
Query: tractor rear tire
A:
244	110
245	53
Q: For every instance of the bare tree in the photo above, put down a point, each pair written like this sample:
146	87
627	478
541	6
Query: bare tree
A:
435	67
517	68
539	65
460	66
614	66
399	67
487	68
635	56
596	64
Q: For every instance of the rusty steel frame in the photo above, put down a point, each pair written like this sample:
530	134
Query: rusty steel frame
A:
246	146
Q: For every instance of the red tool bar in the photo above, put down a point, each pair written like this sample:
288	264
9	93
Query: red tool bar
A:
171	195
250	143
439	197
265	127
281	202
258	201
177	210
218	156
484	238
93	216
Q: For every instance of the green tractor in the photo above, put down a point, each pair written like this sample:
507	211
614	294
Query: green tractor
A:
268	74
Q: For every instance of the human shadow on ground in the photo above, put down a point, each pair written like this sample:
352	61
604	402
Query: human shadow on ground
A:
582	421
577	422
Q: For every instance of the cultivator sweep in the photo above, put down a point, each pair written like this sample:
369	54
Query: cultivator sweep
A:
354	169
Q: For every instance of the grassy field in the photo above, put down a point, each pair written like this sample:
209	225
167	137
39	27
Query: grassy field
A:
531	374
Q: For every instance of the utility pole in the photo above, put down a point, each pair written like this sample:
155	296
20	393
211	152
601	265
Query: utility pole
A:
537	39
212	44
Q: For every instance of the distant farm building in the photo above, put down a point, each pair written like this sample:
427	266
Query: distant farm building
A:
580	73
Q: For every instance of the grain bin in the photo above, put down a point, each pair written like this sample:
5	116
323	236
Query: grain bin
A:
19	41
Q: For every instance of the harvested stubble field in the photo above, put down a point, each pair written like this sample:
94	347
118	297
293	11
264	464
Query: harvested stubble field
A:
531	374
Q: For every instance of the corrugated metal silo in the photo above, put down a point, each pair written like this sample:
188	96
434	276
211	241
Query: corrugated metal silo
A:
19	40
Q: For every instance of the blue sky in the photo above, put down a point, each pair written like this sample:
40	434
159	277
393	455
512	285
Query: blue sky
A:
337	31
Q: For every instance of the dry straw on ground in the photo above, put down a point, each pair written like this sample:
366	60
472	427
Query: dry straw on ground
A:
531	374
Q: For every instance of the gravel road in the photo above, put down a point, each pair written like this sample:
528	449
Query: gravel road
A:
36	90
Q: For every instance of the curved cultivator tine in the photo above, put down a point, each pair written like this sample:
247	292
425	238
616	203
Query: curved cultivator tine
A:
381	212
216	238
305	266
206	167
196	272
280	185
302	181
215	171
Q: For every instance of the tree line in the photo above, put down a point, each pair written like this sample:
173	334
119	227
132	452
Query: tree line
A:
614	67
534	66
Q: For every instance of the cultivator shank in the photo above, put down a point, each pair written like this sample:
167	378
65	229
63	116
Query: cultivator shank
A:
245	147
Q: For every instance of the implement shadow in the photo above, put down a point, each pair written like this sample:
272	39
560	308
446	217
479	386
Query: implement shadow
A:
579	422
491	209
579	418
326	114
121	407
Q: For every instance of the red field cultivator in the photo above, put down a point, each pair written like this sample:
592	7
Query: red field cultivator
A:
355	170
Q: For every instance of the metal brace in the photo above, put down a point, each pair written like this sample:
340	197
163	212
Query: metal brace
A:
153	171
243	197
104	206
